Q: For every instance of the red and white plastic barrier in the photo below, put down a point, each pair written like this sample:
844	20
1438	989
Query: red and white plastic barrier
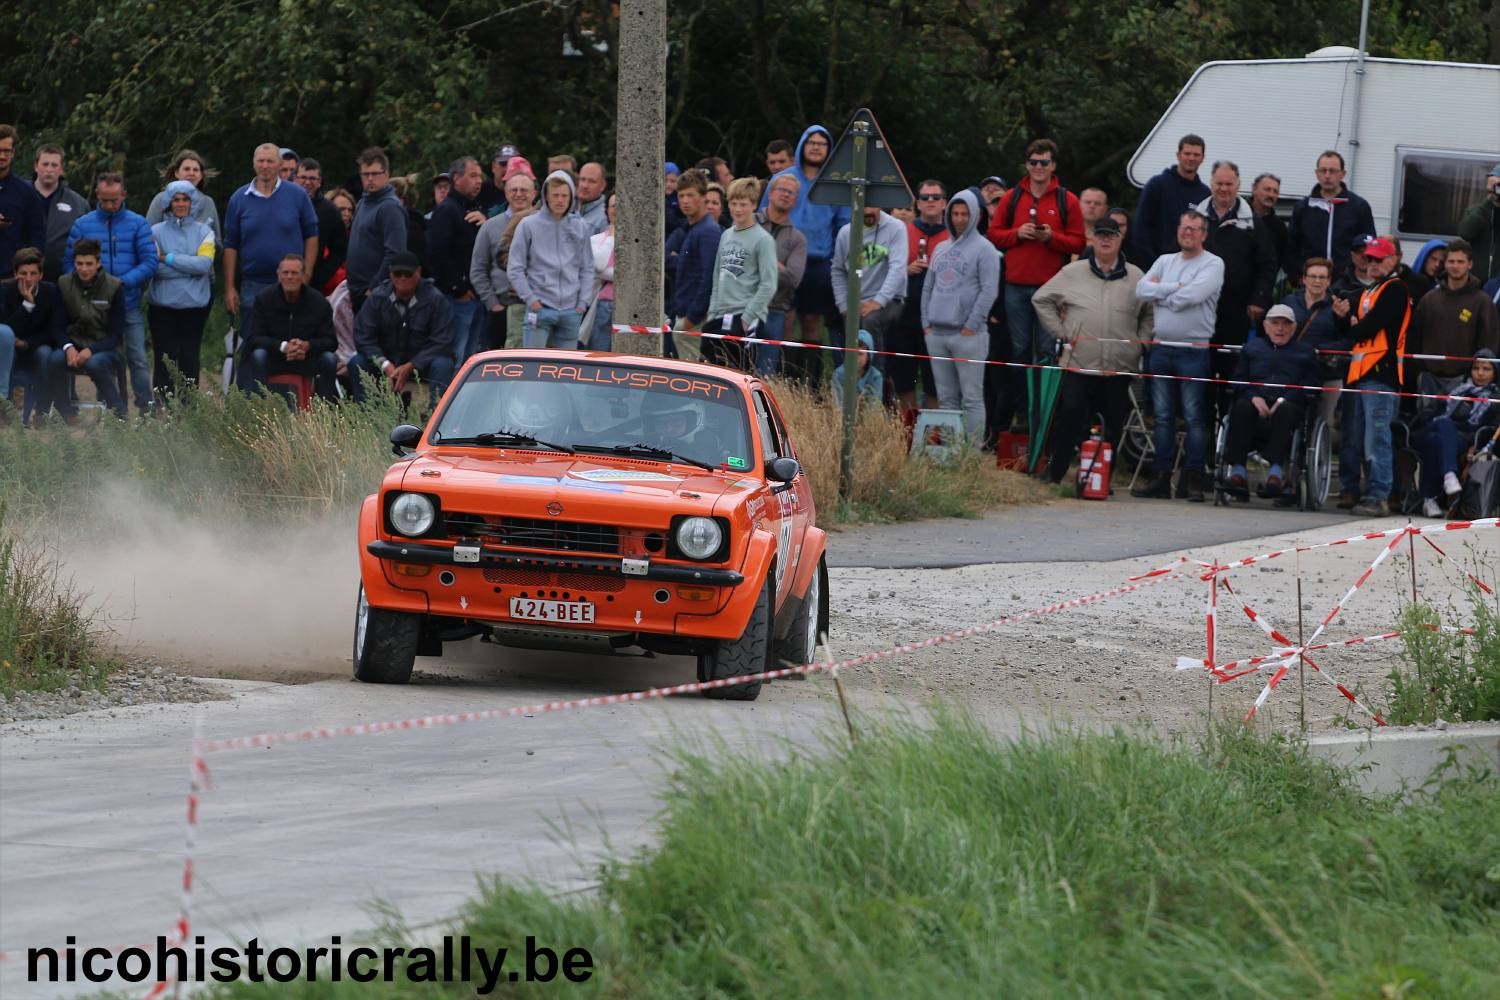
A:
1205	379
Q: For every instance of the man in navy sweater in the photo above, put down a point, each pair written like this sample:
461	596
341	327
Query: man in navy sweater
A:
1163	200
697	256
264	221
23	221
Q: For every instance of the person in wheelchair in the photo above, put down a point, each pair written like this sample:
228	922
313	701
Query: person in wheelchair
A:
1270	413
1443	428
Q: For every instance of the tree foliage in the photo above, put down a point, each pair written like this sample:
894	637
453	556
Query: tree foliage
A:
959	85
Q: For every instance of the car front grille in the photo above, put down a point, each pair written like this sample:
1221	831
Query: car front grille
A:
528	533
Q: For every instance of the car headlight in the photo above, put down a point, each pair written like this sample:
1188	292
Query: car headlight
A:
699	537
412	514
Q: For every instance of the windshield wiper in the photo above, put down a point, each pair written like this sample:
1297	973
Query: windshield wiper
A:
645	451
508	437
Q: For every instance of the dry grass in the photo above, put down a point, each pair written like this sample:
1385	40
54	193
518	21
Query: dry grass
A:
50	638
888	485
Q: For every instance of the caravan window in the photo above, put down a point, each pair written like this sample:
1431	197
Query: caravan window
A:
1433	187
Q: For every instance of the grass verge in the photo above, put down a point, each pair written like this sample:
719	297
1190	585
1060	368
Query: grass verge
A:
245	458
889	485
1446	675
233	458
49	639
941	862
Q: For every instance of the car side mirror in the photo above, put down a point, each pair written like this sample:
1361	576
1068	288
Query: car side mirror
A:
404	436
782	470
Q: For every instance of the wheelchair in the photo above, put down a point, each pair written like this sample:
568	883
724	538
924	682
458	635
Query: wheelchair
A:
1308	474
1406	465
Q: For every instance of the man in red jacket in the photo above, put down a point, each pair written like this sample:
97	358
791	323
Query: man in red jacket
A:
1038	226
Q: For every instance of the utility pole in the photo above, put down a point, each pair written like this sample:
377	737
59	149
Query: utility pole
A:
860	133
640	145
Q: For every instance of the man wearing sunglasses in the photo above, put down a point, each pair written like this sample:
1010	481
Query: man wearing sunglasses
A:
923	234
1039	227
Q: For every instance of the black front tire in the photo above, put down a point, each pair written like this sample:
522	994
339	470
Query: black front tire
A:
801	643
385	643
749	654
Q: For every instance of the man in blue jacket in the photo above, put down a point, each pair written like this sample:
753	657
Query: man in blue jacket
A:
1163	200
820	224
129	253
1270	412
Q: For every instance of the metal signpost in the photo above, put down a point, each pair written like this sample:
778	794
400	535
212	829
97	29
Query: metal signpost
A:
858	172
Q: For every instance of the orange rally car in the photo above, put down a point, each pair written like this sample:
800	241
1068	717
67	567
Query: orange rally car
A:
564	499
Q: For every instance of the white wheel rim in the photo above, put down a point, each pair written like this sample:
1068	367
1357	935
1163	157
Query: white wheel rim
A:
813	604
361	623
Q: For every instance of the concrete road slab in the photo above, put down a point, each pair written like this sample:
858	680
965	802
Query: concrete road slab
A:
297	841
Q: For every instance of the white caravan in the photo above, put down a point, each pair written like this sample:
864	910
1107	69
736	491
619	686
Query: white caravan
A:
1418	137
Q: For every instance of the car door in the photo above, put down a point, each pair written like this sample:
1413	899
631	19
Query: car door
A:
792	502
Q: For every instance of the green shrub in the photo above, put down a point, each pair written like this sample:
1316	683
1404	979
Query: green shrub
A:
1446	675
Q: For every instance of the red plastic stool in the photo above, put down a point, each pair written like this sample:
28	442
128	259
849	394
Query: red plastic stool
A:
302	385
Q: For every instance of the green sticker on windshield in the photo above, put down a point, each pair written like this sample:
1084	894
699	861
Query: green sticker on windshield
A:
735	462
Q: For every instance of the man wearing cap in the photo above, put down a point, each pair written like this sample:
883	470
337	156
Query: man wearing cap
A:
1377	328
405	329
491	256
1091	307
1480	226
289	161
442	184
991	190
1327	221
1272	412
492	194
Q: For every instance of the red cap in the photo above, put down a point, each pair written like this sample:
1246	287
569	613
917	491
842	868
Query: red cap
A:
1379	248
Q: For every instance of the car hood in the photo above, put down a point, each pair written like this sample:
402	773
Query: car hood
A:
629	493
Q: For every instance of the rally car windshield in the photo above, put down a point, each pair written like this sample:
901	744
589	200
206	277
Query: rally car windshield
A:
600	409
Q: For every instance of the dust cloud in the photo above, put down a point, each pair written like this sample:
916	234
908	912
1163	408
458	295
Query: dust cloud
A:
213	596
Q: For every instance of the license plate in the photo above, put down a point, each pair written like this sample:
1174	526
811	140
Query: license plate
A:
562	612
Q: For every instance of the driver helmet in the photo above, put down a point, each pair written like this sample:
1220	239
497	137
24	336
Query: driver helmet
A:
536	409
668	417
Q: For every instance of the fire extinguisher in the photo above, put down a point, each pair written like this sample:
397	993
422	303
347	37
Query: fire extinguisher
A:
1095	459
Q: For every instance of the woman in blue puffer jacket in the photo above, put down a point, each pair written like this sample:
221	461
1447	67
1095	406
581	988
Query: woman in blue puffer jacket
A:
182	288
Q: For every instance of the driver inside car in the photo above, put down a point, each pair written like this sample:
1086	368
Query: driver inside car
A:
677	423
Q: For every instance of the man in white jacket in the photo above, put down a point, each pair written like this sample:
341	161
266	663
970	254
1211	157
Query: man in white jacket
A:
1184	289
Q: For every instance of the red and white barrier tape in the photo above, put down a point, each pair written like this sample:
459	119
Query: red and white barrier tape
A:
1426	529
434	721
1476	581
1207	380
1276	636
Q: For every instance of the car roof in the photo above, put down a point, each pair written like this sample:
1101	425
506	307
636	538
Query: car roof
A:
743	379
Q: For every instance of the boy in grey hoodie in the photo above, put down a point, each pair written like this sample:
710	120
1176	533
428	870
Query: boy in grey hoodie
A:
882	273
552	267
962	281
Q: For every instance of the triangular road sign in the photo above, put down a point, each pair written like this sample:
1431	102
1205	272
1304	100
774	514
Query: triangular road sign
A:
885	185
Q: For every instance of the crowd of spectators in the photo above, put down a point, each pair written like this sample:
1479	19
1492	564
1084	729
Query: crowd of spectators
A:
1201	283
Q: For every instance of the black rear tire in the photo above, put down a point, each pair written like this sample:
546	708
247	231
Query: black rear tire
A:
385	643
749	654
